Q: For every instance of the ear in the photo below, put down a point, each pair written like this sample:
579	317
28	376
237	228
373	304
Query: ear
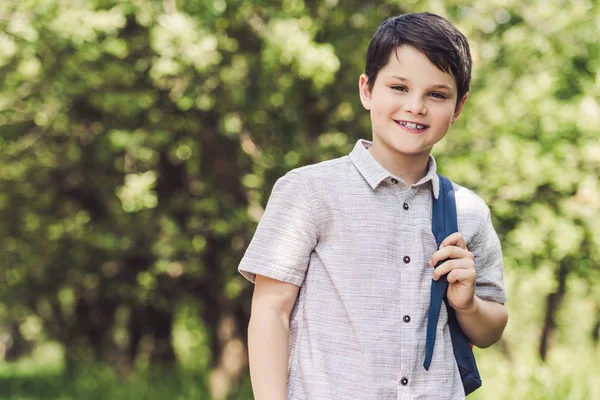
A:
459	107
364	91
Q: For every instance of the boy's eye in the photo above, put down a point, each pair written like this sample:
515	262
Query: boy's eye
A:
400	88
438	95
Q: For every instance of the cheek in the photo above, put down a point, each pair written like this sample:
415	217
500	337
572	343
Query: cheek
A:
386	106
377	117
445	115
380	108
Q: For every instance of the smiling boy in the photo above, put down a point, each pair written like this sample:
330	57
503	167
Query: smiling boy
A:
342	258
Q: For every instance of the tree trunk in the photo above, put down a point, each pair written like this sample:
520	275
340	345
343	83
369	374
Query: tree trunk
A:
596	330
553	303
17	346
232	358
162	327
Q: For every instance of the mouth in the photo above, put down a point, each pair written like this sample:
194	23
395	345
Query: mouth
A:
412	126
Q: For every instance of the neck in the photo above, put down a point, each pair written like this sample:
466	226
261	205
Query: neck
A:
410	168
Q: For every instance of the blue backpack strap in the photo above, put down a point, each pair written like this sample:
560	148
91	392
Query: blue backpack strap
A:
443	223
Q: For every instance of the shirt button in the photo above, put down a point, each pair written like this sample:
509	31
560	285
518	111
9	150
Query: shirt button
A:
404	381
406	259
406	318
405	206
394	181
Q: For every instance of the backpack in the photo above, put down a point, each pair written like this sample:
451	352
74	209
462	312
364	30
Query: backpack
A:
444	223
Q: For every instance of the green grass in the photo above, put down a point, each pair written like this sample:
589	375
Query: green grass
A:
27	381
100	384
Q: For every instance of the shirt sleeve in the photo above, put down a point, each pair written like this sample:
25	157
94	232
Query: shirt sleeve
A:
488	262
285	237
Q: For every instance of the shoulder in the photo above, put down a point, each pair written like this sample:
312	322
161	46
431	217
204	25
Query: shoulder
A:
472	211
324	169
318	177
469	203
325	186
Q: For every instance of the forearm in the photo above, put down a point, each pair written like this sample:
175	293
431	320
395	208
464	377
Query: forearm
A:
268	354
483	322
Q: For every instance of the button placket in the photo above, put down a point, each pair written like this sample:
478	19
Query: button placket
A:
410	194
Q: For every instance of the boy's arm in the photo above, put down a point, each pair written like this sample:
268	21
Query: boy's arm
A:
482	321
276	261
268	334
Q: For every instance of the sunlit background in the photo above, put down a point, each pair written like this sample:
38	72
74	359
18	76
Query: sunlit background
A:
140	139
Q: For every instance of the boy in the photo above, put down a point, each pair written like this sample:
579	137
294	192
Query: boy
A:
343	256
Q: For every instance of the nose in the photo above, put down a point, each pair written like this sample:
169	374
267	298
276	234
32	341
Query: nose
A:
415	105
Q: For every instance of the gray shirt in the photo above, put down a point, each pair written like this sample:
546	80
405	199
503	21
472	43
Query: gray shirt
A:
357	241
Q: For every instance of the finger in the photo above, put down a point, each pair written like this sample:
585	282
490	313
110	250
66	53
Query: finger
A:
450	252
455	239
451	265
466	276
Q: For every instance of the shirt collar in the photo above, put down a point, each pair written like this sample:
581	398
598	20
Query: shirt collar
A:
374	173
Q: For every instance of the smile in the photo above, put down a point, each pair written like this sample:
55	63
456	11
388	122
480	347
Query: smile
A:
413	126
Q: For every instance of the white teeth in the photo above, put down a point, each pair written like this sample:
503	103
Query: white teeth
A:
411	125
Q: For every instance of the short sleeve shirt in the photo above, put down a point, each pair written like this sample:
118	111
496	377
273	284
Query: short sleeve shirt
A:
357	241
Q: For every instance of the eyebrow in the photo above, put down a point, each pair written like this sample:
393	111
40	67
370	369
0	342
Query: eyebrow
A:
438	86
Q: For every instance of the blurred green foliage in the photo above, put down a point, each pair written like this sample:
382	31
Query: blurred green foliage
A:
140	139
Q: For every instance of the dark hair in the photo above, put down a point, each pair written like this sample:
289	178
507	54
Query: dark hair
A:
429	33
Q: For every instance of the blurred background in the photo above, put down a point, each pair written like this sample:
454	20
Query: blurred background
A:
140	140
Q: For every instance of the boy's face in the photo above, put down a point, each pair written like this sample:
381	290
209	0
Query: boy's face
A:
412	104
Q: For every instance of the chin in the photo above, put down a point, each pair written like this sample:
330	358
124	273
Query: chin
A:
411	152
